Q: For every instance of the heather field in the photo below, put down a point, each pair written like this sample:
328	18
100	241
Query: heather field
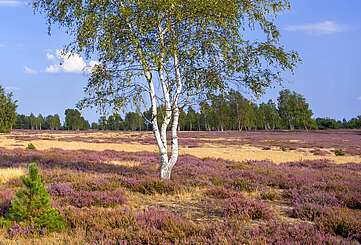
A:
227	188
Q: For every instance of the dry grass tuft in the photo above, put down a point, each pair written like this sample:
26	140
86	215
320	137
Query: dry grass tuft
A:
188	203
49	239
129	164
7	174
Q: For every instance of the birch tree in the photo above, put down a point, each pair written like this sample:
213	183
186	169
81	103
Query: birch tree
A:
170	52
294	110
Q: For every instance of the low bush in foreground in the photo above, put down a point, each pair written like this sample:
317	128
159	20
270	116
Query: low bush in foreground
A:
270	195
31	208
151	187
341	222
247	209
67	195
285	233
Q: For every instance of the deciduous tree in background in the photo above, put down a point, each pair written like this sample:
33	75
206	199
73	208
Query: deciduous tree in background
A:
52	122
269	115
134	121
74	120
7	111
186	48
294	110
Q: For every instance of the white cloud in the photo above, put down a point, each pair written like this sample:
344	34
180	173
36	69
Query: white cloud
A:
53	69
72	63
68	63
29	71
359	98
50	57
2	45
10	3
321	28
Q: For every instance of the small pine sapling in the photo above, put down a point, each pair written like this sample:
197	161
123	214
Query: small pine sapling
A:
32	204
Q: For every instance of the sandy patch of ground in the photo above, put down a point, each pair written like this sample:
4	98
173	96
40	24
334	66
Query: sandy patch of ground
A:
246	153
129	164
228	152
9	143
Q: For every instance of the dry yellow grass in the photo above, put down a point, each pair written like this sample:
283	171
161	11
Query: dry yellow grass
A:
216	150
7	174
141	201
129	164
247	153
74	145
50	239
188	204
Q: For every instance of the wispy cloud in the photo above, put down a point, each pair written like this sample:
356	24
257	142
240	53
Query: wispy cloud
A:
359	98
321	28
29	71
2	45
10	3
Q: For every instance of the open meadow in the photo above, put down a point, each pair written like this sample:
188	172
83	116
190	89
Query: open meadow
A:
227	188
180	122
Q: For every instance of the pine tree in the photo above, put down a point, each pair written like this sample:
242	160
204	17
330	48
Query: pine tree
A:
32	204
7	111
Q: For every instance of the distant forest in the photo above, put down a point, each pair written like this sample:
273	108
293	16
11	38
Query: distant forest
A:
231	111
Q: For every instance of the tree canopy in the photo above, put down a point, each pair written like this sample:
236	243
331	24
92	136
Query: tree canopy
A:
294	110
74	120
132	37
176	51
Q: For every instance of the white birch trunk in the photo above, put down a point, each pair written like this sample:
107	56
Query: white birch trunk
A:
166	164
166	169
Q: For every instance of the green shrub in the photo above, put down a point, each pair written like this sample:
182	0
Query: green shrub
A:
244	209
244	185
220	193
217	181
342	222
271	195
340	153
32	204
4	223
31	146
241	166
151	187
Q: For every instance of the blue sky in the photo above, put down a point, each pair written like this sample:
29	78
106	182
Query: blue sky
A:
326	33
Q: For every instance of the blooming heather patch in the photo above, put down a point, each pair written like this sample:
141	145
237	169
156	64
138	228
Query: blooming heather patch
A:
285	233
87	198
208	201
247	209
166	225
341	222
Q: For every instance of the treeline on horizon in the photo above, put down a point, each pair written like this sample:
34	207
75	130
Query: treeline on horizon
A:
231	111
